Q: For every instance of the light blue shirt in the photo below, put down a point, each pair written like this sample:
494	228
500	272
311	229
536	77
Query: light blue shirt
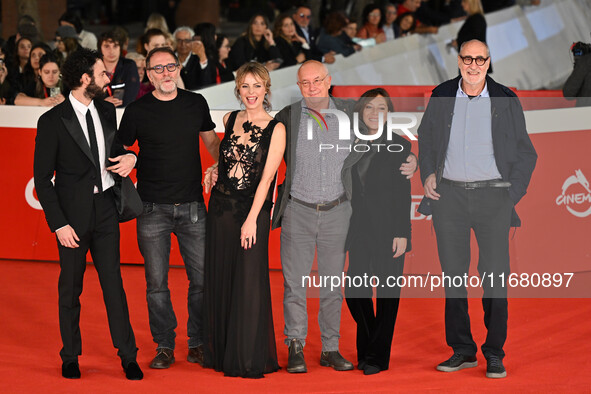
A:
470	154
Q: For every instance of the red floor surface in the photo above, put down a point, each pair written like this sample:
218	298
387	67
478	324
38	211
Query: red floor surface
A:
547	349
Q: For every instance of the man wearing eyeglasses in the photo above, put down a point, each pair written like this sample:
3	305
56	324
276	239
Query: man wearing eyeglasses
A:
476	162
313	210
197	70
167	125
302	17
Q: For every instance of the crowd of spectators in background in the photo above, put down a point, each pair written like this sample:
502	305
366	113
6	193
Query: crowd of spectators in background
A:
28	66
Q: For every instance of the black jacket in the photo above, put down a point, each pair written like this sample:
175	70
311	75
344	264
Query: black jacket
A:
126	72
514	153
578	83
61	147
196	77
381	196
242	52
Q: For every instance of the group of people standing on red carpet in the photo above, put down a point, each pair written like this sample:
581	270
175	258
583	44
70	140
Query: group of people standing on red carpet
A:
331	202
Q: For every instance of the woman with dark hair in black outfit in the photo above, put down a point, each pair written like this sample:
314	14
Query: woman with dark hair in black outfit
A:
223	72
257	44
379	232
290	44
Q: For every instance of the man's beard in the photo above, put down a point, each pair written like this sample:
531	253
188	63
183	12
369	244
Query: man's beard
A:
93	90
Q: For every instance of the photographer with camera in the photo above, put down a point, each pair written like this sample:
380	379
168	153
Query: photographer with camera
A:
578	83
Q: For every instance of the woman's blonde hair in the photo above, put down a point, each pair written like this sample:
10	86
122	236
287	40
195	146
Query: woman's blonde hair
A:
258	71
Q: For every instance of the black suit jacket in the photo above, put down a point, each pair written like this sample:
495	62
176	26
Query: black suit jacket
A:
313	53
381	196
195	77
62	148
514	153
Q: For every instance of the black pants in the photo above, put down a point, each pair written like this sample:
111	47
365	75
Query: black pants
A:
102	239
374	330
486	211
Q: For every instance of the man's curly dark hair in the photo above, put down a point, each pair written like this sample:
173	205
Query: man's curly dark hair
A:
77	64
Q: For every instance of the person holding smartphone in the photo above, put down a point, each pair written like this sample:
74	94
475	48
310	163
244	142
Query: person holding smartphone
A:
48	90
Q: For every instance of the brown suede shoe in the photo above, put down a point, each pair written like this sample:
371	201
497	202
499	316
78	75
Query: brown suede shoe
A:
164	358
196	355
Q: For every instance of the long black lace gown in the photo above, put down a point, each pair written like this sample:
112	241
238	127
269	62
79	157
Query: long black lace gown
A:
240	339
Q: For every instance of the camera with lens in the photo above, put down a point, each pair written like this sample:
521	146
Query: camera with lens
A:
580	49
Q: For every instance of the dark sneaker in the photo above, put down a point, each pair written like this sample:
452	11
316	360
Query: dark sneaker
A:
456	362
196	355
336	361
295	361
495	368
164	359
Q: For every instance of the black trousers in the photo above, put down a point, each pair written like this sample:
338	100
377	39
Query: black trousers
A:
487	212
102	239
375	330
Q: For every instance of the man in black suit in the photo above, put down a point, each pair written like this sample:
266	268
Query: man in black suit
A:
302	16
76	140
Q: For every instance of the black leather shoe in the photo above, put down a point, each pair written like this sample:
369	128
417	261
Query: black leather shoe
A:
71	370
456	362
371	369
361	365
196	355
495	368
295	361
164	359
336	361
133	371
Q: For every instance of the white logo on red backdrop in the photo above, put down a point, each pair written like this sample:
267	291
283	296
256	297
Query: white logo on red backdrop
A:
575	200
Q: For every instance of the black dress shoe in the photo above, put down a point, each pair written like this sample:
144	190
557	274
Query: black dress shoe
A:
336	361
71	370
196	355
361	365
295	361
133	371
371	369
164	359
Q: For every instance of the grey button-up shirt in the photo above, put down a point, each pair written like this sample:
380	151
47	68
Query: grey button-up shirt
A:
317	176
470	154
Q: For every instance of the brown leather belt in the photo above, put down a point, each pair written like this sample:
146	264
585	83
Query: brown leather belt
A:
477	184
325	206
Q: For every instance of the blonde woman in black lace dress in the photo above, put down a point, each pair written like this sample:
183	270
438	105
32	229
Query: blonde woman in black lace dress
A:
237	299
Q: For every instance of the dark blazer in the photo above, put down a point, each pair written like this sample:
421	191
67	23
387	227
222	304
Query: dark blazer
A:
126	72
514	153
313	53
381	196
289	51
291	116
578	83
242	52
61	147
196	77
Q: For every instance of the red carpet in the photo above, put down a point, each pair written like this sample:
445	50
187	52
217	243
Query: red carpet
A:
548	348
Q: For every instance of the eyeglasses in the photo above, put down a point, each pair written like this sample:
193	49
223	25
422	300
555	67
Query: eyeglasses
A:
467	60
307	16
372	14
317	82
159	69
186	42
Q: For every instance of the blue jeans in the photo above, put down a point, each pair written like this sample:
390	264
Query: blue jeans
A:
154	228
